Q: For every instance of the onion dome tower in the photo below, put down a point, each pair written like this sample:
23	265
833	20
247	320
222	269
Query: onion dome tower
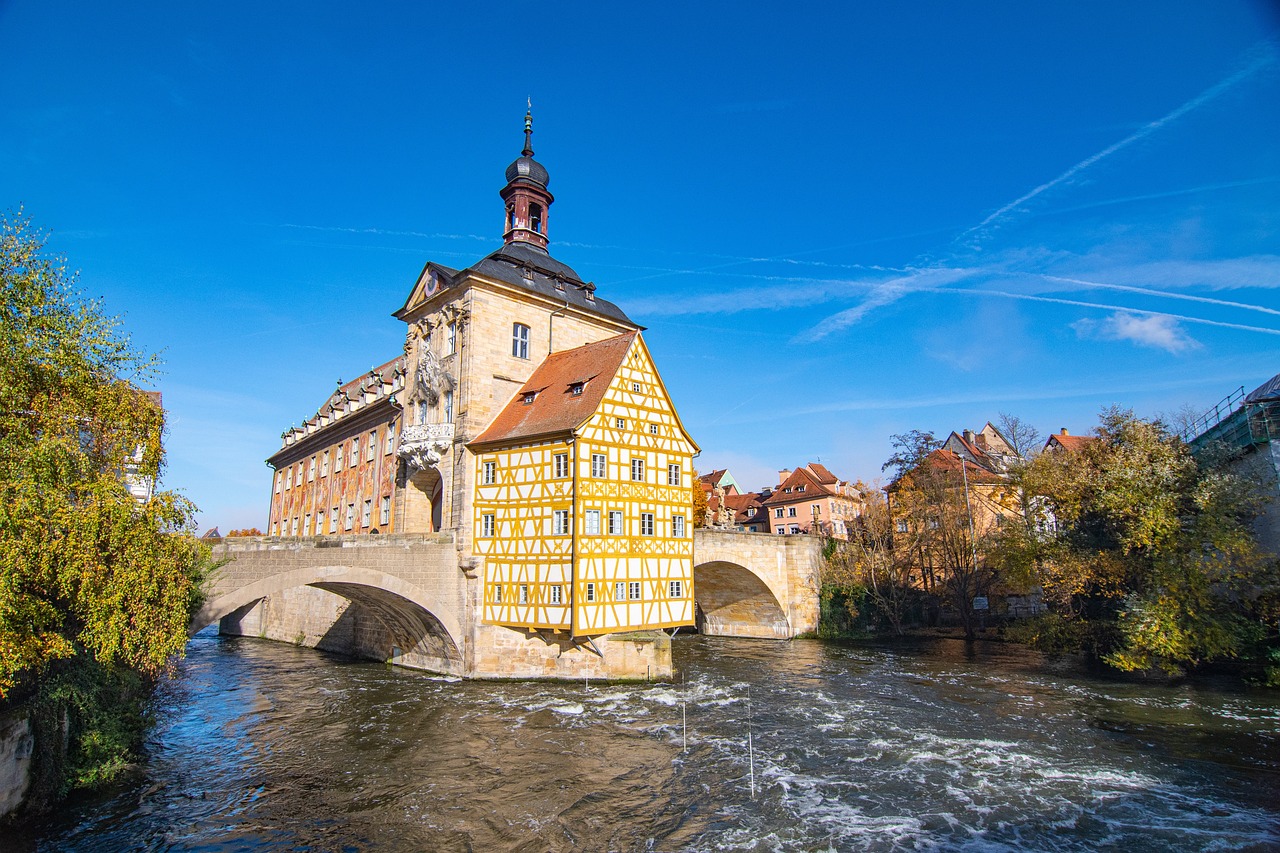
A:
526	196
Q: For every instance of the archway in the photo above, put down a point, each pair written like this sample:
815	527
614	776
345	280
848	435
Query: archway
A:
382	618
731	601
423	502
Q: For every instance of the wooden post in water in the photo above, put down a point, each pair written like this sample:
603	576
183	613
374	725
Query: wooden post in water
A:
751	752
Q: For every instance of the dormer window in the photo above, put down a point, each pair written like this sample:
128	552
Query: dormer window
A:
530	396
576	389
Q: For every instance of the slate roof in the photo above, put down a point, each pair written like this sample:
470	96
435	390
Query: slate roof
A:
508	265
555	409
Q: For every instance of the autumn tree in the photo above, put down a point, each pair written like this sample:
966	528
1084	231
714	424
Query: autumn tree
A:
869	563
1141	535
699	511
87	574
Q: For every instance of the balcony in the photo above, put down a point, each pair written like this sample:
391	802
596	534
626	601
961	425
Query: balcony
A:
423	445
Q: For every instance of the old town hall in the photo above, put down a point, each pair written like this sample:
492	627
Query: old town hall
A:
526	419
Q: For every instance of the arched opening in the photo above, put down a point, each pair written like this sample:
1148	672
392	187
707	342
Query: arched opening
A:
423	496
535	218
731	601
358	612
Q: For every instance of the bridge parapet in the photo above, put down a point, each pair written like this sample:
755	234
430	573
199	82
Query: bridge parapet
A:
788	566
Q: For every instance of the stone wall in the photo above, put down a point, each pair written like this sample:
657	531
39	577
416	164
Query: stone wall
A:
756	584
16	744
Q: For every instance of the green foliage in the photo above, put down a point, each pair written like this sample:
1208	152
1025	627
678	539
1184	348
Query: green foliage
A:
839	612
1150	540
96	589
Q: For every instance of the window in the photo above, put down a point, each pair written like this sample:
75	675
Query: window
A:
653	429
333	520
520	340
298	478
646	524
902	525
791	512
530	397
777	513
620	591
324	464
795	528
597	464
355	453
524	594
422	411
590	591
673	475
295	526
497	594
637	469
453	338
288	479
591	520
675	589
620	423
391	439
311	470
489	474
576	389
279	482
372	450
557	594
367	514
448	407
338	455
817	509
486	524
781	530
615	522
535	217
635	386
319	522
306	525
560	522
275	529
384	514
677	526
561	465
633	590
351	517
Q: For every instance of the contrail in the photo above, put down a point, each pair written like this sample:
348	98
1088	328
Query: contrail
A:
1225	303
1080	304
1265	58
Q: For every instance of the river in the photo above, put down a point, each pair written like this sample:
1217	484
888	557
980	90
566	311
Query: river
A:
758	746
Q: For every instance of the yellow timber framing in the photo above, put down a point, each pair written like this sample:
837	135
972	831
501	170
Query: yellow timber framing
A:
609	576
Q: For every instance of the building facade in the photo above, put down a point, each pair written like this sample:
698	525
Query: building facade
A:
515	380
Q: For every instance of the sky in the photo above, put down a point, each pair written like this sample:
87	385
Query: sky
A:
837	222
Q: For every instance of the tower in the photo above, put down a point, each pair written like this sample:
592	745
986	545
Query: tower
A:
526	196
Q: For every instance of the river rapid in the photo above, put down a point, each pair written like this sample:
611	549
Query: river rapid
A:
758	746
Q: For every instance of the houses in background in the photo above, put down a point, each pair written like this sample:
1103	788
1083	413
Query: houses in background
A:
808	499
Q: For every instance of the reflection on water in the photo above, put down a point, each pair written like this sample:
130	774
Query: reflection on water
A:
262	746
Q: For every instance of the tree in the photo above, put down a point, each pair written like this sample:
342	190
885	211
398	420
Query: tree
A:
1150	540
870	563
1022	436
86	572
699	512
910	449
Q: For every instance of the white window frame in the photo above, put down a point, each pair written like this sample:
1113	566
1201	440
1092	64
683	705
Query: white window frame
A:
620	423
557	594
351	516
646	524
522	597
615	522
520	340
677	526
675	589
560	465
335	520
560	522
371	450
311	470
599	465
324	464
619	590
673	475
354	459
634	591
489	473
637	470
590	591
366	514
452	341
384	511
486	525
448	407
390	446
591	522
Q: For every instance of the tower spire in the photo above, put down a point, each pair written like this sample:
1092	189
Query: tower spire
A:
528	130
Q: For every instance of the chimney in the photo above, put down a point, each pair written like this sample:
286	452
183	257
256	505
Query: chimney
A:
1064	431
968	436
783	475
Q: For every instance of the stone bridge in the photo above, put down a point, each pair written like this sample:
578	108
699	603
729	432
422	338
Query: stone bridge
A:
410	599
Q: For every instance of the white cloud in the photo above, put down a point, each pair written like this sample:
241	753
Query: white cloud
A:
1150	330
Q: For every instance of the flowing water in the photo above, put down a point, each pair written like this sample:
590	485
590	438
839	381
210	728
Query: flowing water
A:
797	745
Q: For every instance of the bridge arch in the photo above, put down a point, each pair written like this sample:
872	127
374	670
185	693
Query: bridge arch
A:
411	616
733	601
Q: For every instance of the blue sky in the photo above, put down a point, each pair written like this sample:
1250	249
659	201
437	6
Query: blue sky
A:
837	222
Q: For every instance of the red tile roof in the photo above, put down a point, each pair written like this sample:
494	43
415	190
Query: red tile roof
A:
948	461
1074	443
554	407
